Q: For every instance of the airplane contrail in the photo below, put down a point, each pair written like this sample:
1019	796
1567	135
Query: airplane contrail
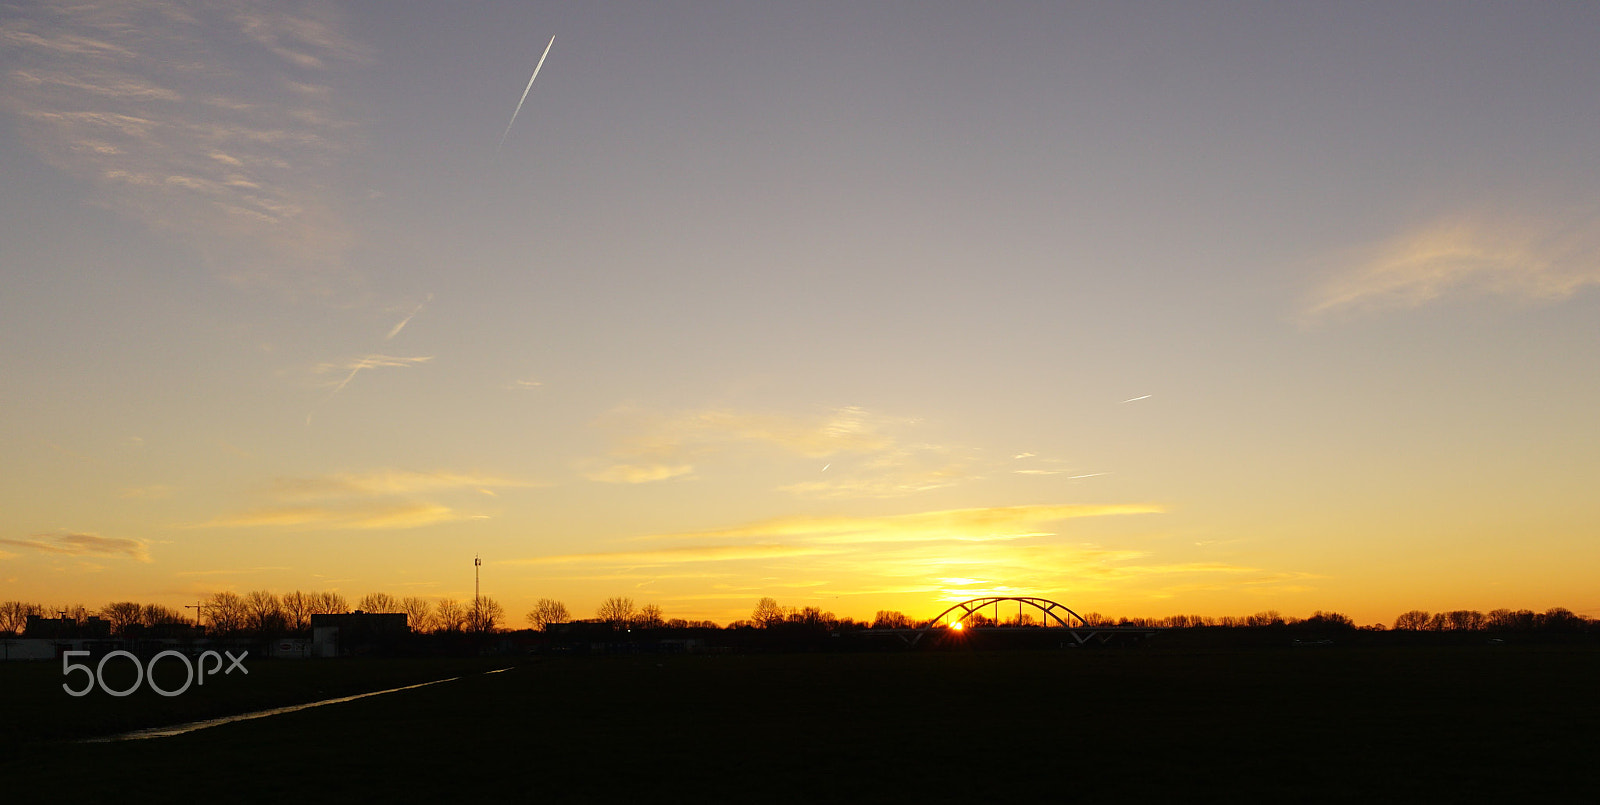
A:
1136	399
407	320
524	95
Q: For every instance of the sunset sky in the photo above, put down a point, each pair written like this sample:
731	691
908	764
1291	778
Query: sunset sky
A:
1146	308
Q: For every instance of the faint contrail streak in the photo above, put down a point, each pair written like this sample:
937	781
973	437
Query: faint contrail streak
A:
1136	399
407	320
524	95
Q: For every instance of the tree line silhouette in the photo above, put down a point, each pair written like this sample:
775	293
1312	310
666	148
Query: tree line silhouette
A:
262	612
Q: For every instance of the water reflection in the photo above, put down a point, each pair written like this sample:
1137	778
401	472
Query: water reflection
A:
179	729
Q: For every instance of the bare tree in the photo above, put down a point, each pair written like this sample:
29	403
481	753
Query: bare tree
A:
330	603
1268	617
450	616
616	611
14	615
810	617
1560	619
485	614
419	613
767	612
1464	620
121	615
1329	619
1415	620
379	602
649	617
227	612
1505	619
547	611
264	613
297	608
158	615
890	619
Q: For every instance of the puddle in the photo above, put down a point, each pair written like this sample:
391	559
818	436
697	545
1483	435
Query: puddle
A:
179	729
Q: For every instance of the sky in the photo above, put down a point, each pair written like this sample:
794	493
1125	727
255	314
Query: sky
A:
1145	308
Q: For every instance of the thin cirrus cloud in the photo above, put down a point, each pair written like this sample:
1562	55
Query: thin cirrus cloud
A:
868	452
401	325
364	363
970	525
389	482
642	433
849	547
640	474
173	118
681	555
895	471
248	571
1499	253
82	544
364	501
357	516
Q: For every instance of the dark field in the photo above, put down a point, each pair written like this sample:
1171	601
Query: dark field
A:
1460	723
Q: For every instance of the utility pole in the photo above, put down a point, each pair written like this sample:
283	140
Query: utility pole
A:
477	603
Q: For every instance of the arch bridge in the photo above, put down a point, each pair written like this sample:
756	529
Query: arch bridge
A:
1074	629
1048	611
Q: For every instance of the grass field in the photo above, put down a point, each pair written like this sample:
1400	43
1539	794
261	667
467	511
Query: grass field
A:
1317	724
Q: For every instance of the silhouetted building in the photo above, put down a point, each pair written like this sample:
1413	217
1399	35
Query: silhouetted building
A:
357	633
90	627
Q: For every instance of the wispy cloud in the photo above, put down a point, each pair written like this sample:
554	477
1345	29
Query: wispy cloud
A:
232	572
407	320
366	362
867	454
359	501
80	544
841	430
964	525
1033	465
349	516
842	555
896	470
151	492
1492	252
635	474
388	482
306	37
171	115
668	556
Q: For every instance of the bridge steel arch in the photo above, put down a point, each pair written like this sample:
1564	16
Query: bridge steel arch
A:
1050	610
